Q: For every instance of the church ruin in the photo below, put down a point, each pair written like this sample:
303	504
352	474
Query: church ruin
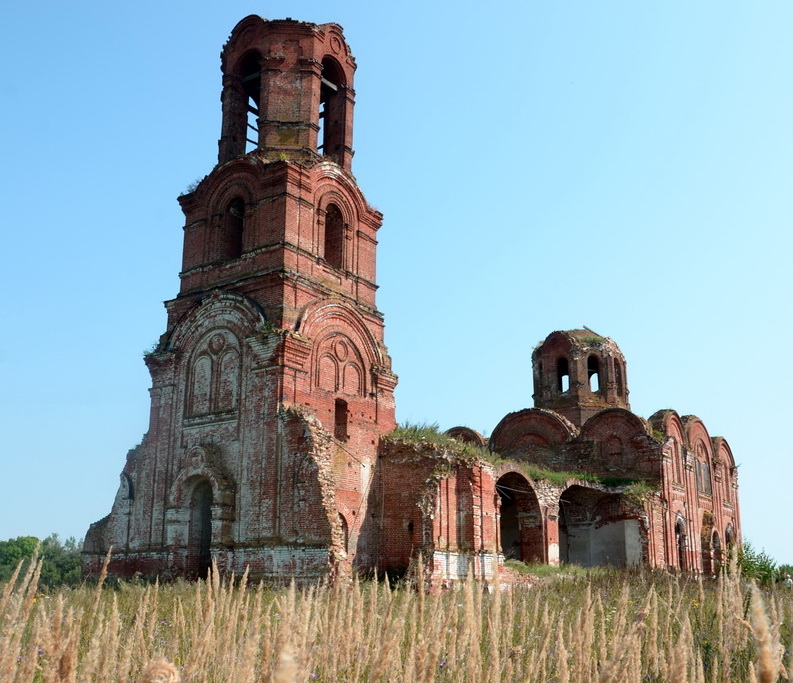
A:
271	443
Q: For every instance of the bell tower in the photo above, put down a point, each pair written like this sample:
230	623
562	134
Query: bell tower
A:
287	91
578	373
272	384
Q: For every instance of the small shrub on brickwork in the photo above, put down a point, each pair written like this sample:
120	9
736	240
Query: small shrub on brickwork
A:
192	187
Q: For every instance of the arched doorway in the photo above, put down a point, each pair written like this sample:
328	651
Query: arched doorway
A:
594	530
520	525
200	541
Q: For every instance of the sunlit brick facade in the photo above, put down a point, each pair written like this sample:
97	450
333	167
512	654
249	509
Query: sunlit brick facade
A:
272	389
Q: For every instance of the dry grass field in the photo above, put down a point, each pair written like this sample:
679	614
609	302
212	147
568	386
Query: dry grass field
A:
595	626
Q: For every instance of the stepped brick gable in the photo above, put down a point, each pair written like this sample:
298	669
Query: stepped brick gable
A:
271	442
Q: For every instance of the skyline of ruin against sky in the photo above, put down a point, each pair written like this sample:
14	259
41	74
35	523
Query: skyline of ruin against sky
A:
641	180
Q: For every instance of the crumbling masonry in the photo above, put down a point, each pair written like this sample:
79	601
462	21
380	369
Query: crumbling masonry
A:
270	445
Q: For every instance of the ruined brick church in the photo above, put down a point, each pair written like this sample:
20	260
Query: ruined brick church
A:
271	442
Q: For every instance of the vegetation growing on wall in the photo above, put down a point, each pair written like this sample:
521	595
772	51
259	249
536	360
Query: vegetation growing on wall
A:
430	433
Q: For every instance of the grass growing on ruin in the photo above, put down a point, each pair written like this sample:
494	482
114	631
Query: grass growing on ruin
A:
430	433
575	627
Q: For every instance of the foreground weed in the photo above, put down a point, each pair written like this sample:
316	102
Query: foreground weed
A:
571	628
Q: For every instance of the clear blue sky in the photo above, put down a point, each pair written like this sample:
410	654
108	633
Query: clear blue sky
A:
541	165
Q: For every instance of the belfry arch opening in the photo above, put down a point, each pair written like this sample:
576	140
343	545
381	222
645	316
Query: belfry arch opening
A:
520	524
562	375
593	373
330	137
200	535
251	79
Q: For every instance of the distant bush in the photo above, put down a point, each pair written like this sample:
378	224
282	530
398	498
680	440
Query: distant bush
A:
756	564
61	564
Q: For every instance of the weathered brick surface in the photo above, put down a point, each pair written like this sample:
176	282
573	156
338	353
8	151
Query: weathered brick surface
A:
272	388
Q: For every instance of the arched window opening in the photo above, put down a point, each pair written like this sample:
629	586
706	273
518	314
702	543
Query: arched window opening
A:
232	225
345	533
729	537
250	75
593	373
562	375
618	377
680	543
200	539
334	236
703	473
341	419
330	139
707	554
718	556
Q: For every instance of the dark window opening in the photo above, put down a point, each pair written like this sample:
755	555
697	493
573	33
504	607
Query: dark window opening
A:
330	138
562	375
341	418
251	85
334	236
232	229
680	538
593	372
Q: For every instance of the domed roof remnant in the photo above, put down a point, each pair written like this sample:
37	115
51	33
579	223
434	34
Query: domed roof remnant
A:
578	373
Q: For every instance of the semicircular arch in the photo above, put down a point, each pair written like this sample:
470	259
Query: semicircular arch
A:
535	426
240	314
607	422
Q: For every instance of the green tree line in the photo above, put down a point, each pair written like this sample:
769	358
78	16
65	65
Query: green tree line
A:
60	560
61	564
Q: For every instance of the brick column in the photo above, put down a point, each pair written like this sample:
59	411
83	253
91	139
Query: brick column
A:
550	516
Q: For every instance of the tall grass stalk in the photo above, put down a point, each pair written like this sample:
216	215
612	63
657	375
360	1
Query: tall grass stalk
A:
606	626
